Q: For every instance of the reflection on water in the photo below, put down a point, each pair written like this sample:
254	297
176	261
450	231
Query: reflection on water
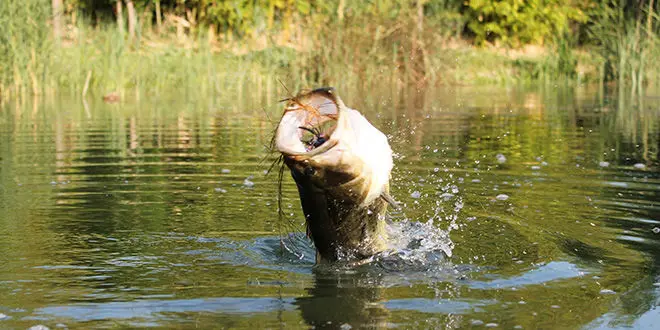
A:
159	214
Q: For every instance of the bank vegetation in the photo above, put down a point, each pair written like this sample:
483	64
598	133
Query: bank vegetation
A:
207	47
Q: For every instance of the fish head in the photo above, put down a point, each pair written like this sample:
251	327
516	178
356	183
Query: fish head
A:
334	147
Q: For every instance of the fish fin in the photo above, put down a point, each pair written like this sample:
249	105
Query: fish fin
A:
386	197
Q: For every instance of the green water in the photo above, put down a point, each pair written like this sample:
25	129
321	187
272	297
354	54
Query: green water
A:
157	213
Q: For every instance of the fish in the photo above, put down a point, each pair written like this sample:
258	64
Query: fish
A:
341	165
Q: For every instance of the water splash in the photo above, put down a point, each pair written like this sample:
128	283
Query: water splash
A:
419	242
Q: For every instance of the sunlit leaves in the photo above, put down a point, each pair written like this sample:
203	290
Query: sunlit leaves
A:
516	22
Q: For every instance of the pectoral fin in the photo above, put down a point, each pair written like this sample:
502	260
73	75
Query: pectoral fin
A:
386	197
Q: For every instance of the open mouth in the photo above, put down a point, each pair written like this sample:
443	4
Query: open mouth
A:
315	136
308	123
318	134
341	164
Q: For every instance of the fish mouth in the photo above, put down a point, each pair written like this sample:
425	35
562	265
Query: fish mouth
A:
334	146
307	126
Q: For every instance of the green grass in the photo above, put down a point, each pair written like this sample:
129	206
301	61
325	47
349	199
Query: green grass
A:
347	53
24	45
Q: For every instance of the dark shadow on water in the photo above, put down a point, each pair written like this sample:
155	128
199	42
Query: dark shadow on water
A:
337	300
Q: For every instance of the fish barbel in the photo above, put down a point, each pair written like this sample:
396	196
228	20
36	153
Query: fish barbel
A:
341	165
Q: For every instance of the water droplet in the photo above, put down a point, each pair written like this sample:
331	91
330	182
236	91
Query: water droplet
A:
447	196
38	327
477	322
604	164
502	197
656	230
220	190
536	167
500	158
639	166
248	183
607	291
492	325
555	306
416	194
3	316
225	171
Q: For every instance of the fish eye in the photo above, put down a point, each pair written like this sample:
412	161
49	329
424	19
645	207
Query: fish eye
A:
309	171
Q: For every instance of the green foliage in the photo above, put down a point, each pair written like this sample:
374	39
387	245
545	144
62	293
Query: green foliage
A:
519	21
324	42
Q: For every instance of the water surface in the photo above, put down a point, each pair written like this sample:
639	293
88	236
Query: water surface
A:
157	212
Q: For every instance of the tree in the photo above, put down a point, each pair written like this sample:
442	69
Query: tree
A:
120	17
132	19
57	19
518	22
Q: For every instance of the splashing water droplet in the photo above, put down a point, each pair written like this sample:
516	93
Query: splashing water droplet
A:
248	183
502	197
446	196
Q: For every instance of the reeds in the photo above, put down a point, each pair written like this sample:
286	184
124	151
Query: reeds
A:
25	46
350	44
626	36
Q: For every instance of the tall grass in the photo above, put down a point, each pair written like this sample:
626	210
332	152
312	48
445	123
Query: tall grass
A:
627	41
115	67
102	60
25	46
398	43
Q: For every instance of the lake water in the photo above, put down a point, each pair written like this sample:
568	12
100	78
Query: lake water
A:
156	213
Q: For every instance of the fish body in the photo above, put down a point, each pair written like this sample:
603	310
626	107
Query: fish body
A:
342	171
